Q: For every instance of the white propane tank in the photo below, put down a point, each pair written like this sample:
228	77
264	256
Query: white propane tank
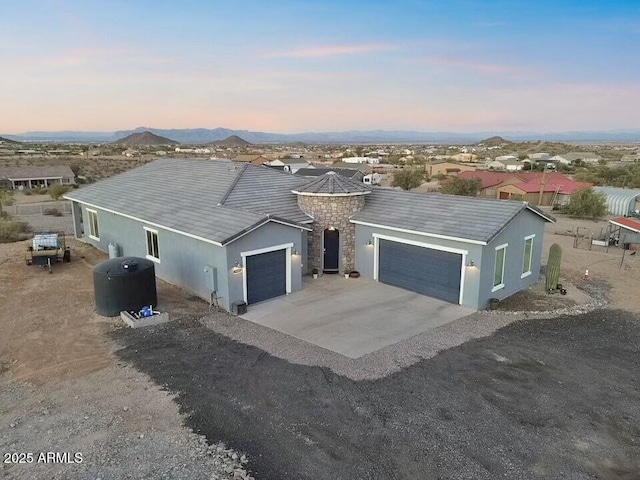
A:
113	250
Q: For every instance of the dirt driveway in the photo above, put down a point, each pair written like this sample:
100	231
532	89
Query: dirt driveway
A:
62	390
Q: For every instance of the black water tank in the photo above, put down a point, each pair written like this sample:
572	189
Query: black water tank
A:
124	283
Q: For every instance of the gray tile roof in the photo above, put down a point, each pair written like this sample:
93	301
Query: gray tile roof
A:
263	190
448	215
184	195
51	171
330	184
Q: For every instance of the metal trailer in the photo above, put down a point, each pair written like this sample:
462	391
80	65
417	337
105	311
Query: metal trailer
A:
48	248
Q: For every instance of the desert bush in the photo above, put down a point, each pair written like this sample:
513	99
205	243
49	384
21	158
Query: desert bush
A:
462	186
27	192
587	203
40	191
408	178
13	230
57	191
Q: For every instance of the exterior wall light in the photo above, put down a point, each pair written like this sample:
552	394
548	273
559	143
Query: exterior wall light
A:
369	243
331	229
470	263
294	252
237	268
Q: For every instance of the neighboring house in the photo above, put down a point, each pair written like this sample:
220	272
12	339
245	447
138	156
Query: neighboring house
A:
369	160
250	158
447	168
506	158
569	158
509	164
290	164
364	168
620	201
233	234
464	157
539	156
18	178
537	188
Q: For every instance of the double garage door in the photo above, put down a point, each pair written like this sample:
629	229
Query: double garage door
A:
427	271
266	276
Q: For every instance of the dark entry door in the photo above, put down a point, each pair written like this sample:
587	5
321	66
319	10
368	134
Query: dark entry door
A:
266	276
430	272
331	249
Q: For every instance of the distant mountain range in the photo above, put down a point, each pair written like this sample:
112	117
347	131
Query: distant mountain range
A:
7	140
204	135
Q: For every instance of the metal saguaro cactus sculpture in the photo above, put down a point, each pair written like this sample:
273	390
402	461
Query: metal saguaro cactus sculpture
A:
553	267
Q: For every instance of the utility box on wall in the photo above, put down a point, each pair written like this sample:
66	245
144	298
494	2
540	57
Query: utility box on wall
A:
211	278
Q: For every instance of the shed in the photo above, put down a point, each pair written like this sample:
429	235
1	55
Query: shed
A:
620	201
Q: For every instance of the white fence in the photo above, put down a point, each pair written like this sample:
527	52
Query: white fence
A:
37	209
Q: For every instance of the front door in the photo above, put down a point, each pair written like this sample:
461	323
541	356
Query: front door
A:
331	250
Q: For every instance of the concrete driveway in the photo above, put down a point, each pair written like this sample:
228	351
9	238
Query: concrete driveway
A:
353	316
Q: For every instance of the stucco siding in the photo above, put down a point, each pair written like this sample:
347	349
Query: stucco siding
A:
182	259
269	235
525	224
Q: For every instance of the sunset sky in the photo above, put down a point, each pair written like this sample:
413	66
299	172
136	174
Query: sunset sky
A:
294	66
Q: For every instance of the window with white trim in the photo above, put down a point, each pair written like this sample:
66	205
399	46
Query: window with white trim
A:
92	218
153	252
527	255
498	273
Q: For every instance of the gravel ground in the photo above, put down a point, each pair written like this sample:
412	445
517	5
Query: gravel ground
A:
538	399
121	422
406	353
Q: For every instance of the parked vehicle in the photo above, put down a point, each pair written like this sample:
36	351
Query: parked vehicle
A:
48	248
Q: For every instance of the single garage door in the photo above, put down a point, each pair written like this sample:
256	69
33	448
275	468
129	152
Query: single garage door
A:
422	270
266	276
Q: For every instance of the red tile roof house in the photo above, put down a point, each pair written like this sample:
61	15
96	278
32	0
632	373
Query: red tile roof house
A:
536	188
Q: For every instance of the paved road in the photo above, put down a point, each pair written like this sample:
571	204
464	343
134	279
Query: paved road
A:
538	399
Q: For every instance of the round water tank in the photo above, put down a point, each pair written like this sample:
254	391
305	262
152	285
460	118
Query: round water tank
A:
125	283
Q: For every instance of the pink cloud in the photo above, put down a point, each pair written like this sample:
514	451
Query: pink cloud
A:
331	50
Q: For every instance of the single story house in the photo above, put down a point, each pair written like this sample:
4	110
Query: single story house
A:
241	233
571	157
620	201
509	164
18	178
443	167
536	188
290	164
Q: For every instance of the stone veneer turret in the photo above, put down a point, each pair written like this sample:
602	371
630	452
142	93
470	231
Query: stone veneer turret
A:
331	200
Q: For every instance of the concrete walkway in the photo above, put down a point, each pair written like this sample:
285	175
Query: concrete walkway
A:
353	316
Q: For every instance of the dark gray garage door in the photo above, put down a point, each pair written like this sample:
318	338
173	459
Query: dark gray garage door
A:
422	270
266	276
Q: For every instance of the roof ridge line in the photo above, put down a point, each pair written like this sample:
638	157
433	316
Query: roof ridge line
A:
226	195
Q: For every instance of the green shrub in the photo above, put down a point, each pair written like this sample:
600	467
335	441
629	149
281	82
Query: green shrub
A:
587	203
27	192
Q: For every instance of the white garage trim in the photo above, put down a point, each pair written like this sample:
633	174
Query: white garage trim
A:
244	255
376	255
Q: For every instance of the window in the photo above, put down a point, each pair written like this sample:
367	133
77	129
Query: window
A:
94	231
498	274
528	254
153	253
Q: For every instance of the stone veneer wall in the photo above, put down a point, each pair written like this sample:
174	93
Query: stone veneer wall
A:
332	211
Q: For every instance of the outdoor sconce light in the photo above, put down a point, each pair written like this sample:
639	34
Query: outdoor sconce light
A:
294	252
237	268
470	263
369	243
331	229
